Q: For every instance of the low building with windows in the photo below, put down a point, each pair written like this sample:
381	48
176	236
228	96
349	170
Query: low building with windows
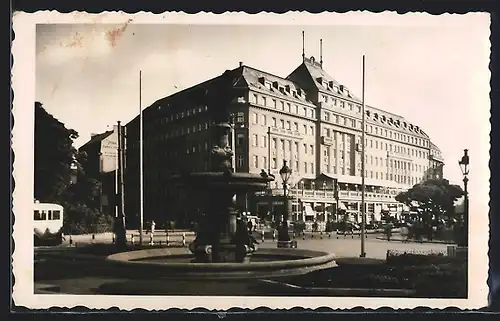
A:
308	119
101	164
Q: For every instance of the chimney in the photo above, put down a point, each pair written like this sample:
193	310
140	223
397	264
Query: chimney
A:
241	63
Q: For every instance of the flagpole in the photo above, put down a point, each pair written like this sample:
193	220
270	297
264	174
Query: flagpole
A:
141	162
363	209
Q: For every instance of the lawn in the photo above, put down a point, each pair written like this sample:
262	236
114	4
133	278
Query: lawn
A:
430	276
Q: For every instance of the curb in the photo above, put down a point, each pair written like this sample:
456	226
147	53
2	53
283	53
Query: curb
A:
281	286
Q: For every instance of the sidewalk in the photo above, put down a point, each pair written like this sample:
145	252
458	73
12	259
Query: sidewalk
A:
399	238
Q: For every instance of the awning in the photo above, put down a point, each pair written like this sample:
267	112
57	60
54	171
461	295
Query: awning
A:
308	209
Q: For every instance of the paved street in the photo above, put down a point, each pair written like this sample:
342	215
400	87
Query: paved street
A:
347	246
86	277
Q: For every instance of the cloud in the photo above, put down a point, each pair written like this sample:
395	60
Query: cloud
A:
93	43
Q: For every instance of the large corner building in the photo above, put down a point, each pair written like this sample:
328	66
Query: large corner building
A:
308	119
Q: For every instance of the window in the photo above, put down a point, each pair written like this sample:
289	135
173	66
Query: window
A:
312	130
275	104
297	165
56	215
240	139
282	144
264	141
296	148
256	98
305	129
296	126
305	148
255	118
288	107
255	141
274	122
264	101
274	163
312	168
264	161
311	148
288	125
296	109
282	105
274	143
264	120
37	215
255	161
240	161
282	124
305	167
240	117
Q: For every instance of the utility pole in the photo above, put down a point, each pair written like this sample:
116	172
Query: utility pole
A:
141	164
120	227
363	207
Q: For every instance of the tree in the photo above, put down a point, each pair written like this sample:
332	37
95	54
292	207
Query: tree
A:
435	199
54	154
55	158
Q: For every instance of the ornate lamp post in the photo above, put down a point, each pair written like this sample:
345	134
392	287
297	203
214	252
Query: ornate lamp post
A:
283	237
464	166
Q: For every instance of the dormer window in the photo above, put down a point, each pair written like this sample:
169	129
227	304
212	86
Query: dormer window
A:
320	80
268	85
287	88
262	80
330	84
282	89
275	84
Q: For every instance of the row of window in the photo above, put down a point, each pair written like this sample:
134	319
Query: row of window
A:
283	106
175	116
43	215
341	120
374	130
306	130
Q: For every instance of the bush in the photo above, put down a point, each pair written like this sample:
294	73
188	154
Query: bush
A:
80	219
388	231
410	259
299	227
330	226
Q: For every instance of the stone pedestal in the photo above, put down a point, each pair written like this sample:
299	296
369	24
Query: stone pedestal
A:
287	244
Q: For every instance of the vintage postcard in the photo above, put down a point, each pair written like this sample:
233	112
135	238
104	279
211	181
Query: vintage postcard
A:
236	160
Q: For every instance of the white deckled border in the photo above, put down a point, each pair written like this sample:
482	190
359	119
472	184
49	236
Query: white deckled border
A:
23	83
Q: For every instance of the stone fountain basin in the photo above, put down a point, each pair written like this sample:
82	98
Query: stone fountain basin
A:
265	263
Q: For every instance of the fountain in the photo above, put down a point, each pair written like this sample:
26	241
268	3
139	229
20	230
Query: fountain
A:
223	247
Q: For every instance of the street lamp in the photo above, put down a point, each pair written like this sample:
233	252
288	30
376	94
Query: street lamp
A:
464	166
285	173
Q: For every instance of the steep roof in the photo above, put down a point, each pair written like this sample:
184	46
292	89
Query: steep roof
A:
96	138
321	80
278	86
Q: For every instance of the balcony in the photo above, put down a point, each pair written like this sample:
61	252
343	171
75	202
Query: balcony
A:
369	196
330	195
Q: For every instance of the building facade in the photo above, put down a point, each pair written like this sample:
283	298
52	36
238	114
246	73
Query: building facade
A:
102	164
308	119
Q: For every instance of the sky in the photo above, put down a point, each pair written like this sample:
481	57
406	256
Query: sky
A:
433	71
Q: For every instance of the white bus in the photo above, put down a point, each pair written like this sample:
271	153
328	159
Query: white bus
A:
48	223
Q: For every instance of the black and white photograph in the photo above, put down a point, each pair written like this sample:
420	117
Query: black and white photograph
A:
337	159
